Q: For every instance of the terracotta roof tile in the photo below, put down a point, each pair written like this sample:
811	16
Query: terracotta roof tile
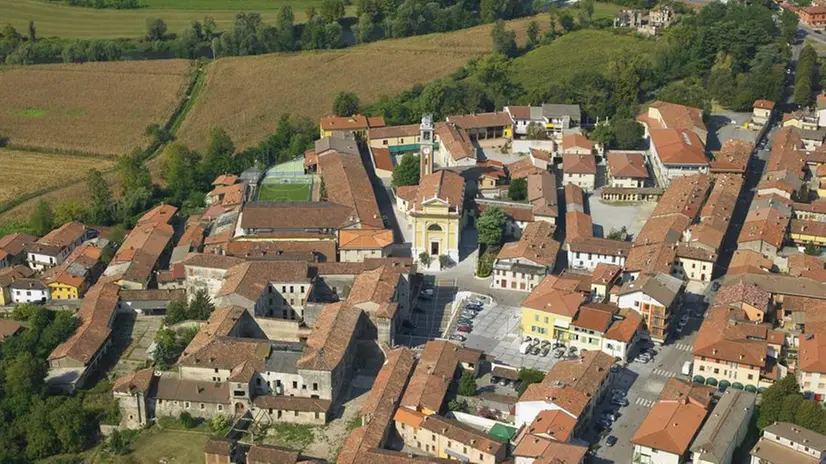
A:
456	140
670	426
683	391
545	297
627	165
347	183
678	147
355	122
444	185
331	338
481	120
434	372
536	244
364	238
624	329
579	164
570	141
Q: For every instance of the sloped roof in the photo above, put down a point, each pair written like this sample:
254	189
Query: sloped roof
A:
536	244
670	427
626	164
678	147
545	297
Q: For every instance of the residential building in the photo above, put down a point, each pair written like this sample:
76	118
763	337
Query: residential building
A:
764	231
800	119
9	328
604	279
676	153
395	139
355	245
522	265
70	279
13	248
783	443
761	113
446	438
694	263
533	448
667	431
548	311
748	297
356	123
725	429
54	247
665	115
524	116
572	388
576	144
588	253
72	362
811	369
623	334
580	170
493	179
803	233
9	275
483	126
589	325
455	145
813	16
627	170
655	297
732	351
559	117
733	157
438	367
25	290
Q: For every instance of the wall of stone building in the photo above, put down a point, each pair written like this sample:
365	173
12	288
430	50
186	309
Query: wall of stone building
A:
133	411
204	374
174	408
328	383
312	311
298	384
273	416
216	459
357	256
199	278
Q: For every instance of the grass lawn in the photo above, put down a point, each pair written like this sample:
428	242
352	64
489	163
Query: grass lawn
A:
584	50
293	436
155	445
61	20
285	192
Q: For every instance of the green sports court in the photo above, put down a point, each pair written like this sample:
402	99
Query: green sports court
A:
286	182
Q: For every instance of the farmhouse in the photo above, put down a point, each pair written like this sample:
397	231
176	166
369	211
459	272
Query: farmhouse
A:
54	247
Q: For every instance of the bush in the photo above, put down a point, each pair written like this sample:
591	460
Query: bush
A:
425	258
186	419
527	377
219	424
456	405
485	266
467	384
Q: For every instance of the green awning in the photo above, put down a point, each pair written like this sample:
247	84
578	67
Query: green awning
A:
699	379
711	381
502	432
737	386
751	388
724	384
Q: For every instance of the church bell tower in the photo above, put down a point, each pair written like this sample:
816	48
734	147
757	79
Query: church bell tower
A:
426	146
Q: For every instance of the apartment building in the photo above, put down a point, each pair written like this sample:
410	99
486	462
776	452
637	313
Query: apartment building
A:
522	265
783	443
655	297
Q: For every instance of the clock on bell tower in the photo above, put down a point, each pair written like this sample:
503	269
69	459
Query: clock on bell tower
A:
426	146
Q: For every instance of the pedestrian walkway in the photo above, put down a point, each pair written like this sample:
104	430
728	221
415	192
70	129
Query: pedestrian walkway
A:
683	347
645	402
664	373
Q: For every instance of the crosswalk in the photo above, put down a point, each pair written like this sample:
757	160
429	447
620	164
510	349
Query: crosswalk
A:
664	373
644	402
683	347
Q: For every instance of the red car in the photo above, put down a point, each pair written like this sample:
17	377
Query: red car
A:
463	328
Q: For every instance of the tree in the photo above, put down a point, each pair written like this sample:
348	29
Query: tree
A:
102	208
366	29
467	384
809	415
217	159
178	170
490	227
176	312
219	424
425	258
42	220
518	189
566	22
484	267
332	10
455	405
155	29
32	33
628	133
201	306
133	173
536	131
70	423
812	249
528	376
346	104
618	234
117	443
158	133
533	34
285	27
588	7
791	404
603	134
68	210
407	172
504	41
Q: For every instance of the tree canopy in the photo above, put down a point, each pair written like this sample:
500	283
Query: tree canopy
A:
407	172
490	227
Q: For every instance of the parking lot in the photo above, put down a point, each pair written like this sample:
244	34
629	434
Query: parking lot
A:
496	331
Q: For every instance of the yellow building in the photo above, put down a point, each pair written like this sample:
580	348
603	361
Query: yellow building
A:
65	286
807	232
436	215
550	308
483	126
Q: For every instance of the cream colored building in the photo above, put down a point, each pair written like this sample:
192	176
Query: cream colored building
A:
355	245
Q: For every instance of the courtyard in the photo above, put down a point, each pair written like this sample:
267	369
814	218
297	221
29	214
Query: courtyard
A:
608	216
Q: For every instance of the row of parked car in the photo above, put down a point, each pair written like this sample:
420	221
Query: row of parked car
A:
464	323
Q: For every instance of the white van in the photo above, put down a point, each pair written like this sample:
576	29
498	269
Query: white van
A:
687	368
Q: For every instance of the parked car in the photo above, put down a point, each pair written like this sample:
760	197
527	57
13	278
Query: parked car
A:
545	343
546	350
610	416
494	380
469	314
535	351
618	392
619	401
504	382
558	354
458	337
611	440
715	286
463	329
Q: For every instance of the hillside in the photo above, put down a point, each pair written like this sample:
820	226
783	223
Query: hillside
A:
306	83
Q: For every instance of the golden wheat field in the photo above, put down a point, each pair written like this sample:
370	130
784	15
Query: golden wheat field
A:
100	108
27	172
247	95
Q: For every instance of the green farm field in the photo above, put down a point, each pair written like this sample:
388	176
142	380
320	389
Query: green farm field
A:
584	50
59	20
285	192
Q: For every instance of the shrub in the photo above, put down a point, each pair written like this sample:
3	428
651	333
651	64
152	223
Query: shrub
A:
187	421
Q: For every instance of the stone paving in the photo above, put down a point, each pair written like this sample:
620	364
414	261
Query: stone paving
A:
137	333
